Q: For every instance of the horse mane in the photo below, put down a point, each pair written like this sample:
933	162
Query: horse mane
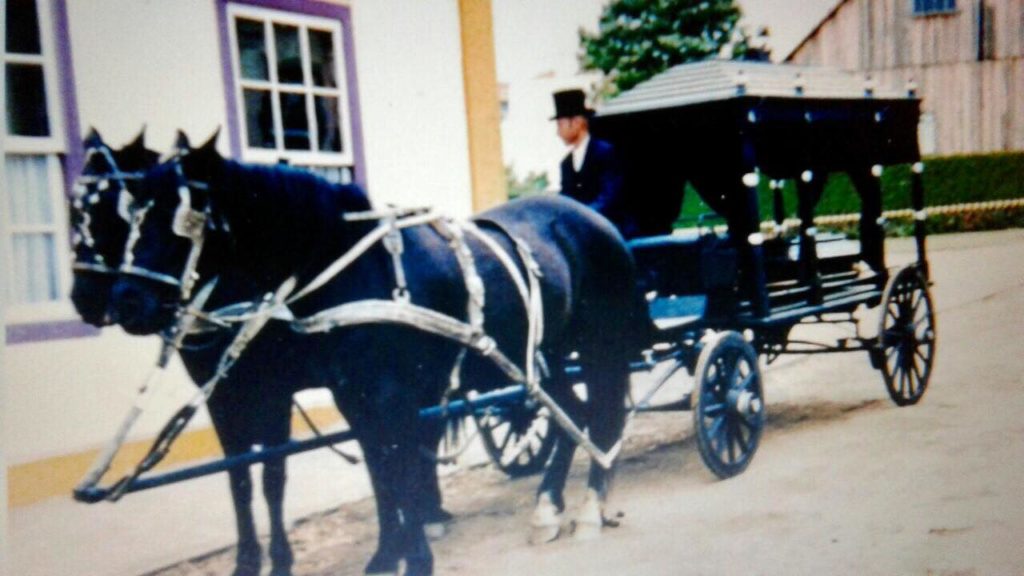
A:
290	189
282	217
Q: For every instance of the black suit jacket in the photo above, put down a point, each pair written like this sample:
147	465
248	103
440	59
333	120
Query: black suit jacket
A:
599	184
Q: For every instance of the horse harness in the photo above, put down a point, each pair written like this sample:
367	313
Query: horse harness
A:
399	310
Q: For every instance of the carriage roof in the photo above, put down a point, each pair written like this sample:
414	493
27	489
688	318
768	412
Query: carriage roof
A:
712	122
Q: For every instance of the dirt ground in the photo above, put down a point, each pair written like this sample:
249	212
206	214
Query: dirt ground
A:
844	482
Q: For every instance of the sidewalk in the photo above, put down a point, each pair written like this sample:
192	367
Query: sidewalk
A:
149	530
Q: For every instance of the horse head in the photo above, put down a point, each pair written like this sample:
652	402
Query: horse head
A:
170	221
99	214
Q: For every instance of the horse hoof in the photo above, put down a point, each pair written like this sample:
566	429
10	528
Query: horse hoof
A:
378	567
590	519
584	531
435	530
546	522
544	534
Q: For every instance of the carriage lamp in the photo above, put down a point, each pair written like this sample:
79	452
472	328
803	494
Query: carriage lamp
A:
876	170
807	175
911	88
751	179
798	84
755	239
918	167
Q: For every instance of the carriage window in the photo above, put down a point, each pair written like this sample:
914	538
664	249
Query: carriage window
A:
32	213
291	92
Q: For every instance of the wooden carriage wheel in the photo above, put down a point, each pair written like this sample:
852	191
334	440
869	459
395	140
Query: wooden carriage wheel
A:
906	336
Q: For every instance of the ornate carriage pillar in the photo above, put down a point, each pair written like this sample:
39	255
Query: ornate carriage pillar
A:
920	216
867	181
809	188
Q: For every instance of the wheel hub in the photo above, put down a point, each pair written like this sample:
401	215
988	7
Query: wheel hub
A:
744	402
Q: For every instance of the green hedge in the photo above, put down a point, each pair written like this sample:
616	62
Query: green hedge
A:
947	180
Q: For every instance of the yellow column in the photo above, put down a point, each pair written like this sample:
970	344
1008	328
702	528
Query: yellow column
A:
483	109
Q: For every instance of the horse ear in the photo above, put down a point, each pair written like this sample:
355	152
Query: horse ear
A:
140	140
200	162
211	143
181	144
92	139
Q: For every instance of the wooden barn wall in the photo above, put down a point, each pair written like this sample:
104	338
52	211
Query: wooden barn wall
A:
977	104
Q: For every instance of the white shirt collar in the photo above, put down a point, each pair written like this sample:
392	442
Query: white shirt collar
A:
579	153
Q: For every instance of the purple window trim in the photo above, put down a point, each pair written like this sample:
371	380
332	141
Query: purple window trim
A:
73	151
71	163
45	331
311	8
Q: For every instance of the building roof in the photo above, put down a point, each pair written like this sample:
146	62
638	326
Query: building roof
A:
831	14
716	80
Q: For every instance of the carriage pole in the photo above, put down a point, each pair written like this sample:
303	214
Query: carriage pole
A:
454	409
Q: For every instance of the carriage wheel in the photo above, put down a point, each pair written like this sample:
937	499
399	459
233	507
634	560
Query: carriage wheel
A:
518	438
906	336
728	405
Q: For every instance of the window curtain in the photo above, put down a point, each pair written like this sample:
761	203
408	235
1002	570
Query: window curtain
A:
31	222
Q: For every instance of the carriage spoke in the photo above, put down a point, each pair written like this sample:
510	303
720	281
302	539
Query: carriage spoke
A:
712	410
740	440
747	381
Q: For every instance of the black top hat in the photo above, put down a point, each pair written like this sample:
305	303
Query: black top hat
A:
569	103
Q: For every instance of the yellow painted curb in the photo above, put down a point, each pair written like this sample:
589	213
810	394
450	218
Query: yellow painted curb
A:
33	482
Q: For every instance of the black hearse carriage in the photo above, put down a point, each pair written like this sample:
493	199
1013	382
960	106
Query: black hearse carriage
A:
727	128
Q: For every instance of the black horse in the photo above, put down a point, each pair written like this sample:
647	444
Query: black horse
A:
253	404
269	224
99	220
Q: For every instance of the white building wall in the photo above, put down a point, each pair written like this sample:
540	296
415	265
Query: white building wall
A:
409	61
156	64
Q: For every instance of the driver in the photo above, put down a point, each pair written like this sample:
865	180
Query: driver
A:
591	171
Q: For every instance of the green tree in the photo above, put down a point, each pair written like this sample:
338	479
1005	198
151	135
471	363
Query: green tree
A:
637	39
532	183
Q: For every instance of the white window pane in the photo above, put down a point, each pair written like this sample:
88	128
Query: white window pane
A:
296	124
321	54
35	273
328	124
259	119
26	100
289	56
252	49
28	190
22	27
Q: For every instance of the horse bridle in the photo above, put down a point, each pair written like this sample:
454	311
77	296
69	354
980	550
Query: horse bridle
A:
188	223
83	194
